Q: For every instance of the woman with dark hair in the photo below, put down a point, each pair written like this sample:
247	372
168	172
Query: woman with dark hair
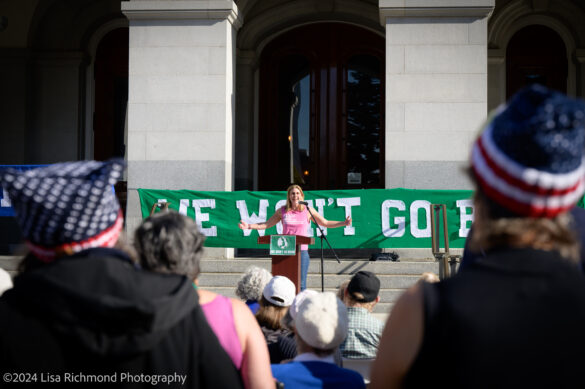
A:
168	242
295	221
515	317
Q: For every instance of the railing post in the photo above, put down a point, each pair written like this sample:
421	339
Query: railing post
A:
448	262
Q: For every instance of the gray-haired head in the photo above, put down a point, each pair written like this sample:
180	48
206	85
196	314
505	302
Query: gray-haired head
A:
168	242
252	283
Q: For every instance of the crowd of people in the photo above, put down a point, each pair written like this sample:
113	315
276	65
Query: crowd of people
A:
88	302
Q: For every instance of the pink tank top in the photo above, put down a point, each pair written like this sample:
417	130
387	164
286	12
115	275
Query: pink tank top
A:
220	317
295	223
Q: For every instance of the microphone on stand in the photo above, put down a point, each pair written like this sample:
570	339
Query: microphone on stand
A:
304	203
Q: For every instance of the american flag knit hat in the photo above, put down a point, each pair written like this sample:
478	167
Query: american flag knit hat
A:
530	158
66	207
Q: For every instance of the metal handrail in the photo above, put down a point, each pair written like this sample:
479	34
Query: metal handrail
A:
448	264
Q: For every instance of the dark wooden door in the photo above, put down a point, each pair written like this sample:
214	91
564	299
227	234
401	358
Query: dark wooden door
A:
536	54
321	119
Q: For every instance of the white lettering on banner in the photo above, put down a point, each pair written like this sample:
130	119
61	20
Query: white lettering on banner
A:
414	222
204	217
349	202
465	217
183	205
319	204
5	202
253	219
400	221
279	204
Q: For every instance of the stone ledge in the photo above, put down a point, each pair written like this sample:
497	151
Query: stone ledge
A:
172	10
434	8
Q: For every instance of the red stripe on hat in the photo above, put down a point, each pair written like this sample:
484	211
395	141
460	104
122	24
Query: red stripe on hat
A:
106	238
518	183
517	207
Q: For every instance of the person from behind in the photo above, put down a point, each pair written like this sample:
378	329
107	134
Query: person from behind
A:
364	332
82	305
251	285
514	318
168	242
320	325
277	297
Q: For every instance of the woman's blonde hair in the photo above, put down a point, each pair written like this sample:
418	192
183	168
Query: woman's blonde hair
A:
495	227
288	202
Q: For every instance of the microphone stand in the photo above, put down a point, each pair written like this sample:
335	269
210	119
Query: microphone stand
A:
329	244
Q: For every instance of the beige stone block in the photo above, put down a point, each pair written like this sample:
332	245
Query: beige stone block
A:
446	59
169	60
395	59
425	31
444	116
185	145
166	89
178	33
428	146
395	116
178	117
136	146
478	32
217	64
436	88
139	118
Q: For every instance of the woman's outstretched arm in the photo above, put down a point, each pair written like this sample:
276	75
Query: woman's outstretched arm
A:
328	223
261	226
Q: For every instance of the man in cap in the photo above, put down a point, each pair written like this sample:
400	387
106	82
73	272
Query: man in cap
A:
320	325
515	317
81	306
363	337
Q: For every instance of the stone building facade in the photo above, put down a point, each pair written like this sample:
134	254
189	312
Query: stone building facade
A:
226	95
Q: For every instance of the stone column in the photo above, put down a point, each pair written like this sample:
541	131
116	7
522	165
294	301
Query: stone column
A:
496	78
436	89
180	98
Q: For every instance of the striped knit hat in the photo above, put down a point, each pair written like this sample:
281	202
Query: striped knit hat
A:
530	157
66	207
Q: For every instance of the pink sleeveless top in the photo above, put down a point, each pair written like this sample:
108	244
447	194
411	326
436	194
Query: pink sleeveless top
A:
220	317
295	223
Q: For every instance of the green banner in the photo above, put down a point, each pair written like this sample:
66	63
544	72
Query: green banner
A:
381	218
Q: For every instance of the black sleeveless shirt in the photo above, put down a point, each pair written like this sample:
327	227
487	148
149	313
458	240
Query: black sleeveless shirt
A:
514	319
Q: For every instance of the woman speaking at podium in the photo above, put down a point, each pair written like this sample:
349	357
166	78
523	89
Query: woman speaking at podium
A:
295	221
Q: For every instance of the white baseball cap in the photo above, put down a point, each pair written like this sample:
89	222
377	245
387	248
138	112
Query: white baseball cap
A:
280	291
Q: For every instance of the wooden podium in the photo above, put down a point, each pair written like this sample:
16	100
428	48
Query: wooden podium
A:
288	266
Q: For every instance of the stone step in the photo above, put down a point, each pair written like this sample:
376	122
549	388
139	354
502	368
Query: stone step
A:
404	267
387	296
313	280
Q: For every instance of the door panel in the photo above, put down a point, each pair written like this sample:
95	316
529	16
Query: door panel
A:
319	120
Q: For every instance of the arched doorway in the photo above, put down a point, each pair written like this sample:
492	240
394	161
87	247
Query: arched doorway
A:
111	101
111	95
321	121
536	54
